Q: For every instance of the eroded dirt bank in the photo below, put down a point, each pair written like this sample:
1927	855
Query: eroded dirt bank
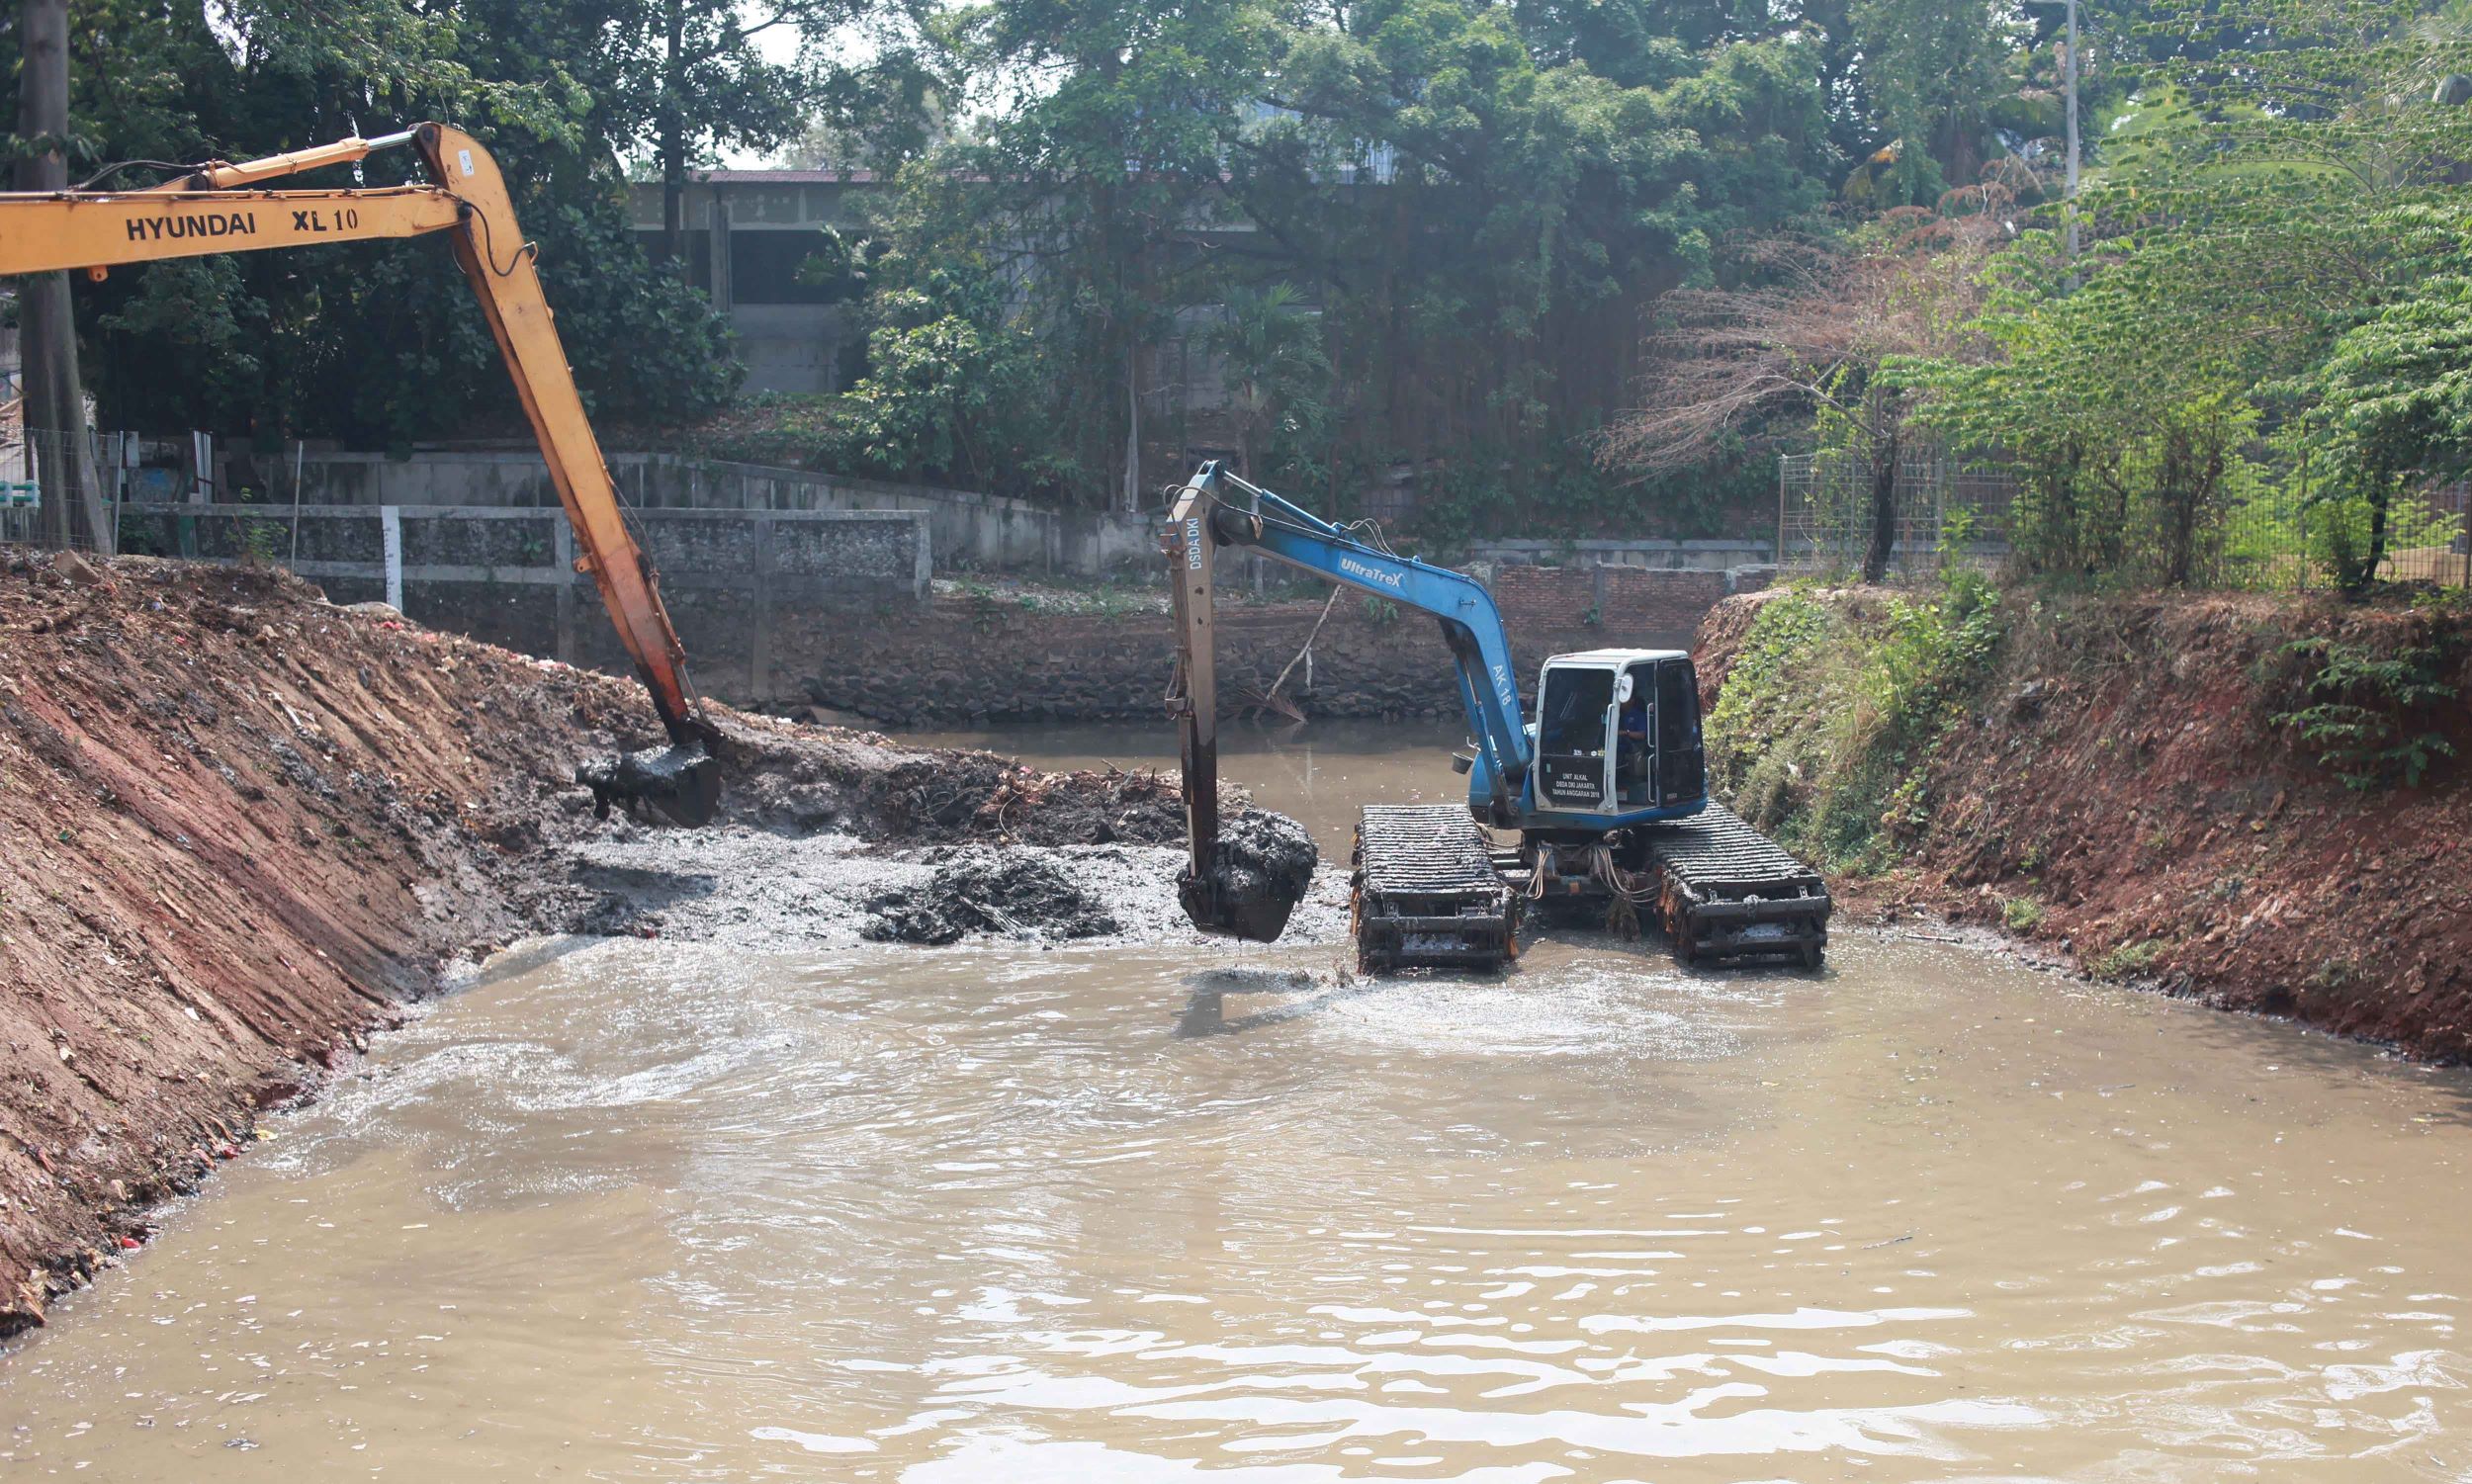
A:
2126	781
240	827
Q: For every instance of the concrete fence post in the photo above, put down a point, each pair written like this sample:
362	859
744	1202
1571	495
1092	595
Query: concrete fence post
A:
563	551
759	641
390	547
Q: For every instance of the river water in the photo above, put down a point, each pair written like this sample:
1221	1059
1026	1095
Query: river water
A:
1115	1215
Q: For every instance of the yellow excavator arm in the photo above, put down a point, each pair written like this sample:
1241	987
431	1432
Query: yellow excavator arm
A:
218	208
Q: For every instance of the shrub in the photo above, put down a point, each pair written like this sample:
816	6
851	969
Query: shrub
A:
2364	709
1828	723
2129	959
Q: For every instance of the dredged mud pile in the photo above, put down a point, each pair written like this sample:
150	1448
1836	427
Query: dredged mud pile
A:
241	828
977	890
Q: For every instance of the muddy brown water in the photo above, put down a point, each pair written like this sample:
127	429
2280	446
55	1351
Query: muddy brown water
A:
1121	1215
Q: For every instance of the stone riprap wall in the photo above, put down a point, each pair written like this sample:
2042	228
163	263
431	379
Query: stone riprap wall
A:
978	659
1724	554
1553	610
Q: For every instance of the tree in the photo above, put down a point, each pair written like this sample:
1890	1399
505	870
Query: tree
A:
2266	255
1935	70
377	344
1816	337
1273	367
1492	292
708	85
1089	189
2393	402
54	399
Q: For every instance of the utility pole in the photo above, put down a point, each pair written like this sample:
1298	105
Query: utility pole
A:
54	395
2071	66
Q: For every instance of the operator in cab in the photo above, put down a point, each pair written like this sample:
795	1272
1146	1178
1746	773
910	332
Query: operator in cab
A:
1630	746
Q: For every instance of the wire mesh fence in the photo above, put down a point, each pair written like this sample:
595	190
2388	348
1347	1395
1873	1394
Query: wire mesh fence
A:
61	489
1942	512
2266	524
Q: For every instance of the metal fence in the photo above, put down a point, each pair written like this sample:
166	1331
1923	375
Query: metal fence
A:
1945	510
2276	535
2265	527
56	489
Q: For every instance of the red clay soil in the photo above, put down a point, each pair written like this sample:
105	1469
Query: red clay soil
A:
2121	771
240	827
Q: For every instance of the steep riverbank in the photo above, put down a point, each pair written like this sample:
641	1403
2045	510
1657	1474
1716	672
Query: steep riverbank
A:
243	828
2254	801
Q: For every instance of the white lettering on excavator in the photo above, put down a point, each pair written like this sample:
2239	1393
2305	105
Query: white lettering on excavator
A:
1503	687
1192	543
1354	569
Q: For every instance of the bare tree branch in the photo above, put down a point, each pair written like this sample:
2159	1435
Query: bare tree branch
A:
1811	334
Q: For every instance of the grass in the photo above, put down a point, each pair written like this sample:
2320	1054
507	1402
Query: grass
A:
2129	960
1834	710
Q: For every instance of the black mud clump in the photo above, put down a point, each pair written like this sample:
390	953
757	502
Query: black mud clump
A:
1262	868
680	784
960	796
981	890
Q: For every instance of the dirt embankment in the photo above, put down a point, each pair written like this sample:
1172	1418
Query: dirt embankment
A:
2123	781
241	828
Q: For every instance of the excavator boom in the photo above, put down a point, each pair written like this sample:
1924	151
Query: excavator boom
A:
215	210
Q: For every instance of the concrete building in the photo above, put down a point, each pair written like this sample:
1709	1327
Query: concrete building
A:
746	233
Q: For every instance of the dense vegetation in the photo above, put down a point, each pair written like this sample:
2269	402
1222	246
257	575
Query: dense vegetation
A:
1568	266
382	344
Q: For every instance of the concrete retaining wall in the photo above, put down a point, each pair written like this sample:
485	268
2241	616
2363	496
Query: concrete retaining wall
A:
969	530
1725	555
834	608
733	579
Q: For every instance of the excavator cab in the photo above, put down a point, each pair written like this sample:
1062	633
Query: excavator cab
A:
1617	735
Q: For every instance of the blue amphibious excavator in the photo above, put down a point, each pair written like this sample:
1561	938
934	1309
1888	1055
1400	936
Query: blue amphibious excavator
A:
1598	804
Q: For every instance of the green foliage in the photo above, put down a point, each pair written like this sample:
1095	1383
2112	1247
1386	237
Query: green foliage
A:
2367	714
1545	174
953	387
2274	248
260	541
2129	960
378	344
1938	69
1829	719
2021	914
1278	379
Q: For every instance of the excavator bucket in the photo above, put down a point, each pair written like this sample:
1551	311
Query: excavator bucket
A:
680	783
1260	866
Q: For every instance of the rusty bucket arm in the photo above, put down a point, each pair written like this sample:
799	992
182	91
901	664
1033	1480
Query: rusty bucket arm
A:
1193	697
